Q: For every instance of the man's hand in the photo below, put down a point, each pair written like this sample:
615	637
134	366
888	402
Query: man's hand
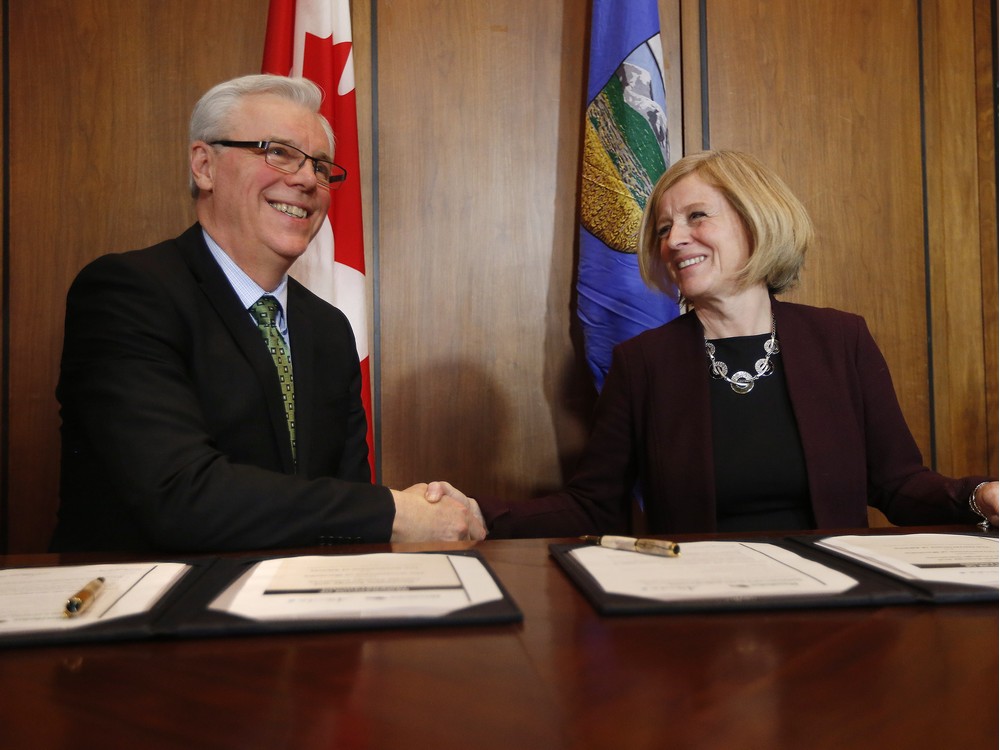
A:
445	518
434	491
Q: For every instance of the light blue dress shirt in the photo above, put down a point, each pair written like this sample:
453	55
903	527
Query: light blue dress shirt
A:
248	290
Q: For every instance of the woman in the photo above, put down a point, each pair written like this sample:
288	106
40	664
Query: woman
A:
745	413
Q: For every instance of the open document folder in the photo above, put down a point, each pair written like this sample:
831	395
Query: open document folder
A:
789	572
942	558
33	600
232	595
359	586
711	570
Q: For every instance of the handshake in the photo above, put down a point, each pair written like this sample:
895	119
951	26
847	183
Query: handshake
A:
436	512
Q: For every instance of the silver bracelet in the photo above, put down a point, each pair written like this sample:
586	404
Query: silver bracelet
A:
985	523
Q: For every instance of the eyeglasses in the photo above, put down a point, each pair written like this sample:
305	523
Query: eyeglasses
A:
289	159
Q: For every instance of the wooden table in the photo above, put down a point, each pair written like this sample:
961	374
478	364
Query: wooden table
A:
875	677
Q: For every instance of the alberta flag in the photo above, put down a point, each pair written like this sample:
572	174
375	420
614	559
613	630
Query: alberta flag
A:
625	152
312	39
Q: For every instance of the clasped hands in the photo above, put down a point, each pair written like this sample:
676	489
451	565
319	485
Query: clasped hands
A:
436	512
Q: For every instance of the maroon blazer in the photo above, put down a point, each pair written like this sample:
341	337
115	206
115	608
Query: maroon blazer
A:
652	425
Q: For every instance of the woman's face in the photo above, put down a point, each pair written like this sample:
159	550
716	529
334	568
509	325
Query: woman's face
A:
703	242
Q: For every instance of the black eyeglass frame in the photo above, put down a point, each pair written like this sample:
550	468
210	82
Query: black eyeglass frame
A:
336	178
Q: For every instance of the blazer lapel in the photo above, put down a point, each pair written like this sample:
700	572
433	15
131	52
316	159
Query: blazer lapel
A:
669	377
692	468
803	358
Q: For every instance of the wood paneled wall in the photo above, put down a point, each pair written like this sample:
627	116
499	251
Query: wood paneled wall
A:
478	177
97	151
879	114
850	149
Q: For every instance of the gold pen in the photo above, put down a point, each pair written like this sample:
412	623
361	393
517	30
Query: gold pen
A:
659	547
78	603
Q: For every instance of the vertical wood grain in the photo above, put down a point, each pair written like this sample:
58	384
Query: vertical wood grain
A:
673	74
692	85
953	235
99	102
828	94
479	133
5	323
985	41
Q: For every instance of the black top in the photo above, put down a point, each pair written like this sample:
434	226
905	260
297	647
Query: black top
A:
760	470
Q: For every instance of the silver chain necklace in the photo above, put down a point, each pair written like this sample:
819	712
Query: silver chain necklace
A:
742	382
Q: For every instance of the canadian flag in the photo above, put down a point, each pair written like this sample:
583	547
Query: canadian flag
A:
312	39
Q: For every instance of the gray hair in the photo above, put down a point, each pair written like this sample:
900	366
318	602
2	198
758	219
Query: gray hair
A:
210	117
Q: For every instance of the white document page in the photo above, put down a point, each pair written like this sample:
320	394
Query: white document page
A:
711	570
948	558
34	599
357	586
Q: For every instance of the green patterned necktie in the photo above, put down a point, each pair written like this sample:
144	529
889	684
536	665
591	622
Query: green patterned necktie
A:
265	312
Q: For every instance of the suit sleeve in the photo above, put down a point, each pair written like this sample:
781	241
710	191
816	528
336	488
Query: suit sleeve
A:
141	454
900	485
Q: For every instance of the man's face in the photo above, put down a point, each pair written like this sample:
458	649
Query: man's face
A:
262	217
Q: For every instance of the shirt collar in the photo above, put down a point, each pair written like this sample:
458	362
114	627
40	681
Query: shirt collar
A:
248	290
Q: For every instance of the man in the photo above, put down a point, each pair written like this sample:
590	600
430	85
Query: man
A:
185	427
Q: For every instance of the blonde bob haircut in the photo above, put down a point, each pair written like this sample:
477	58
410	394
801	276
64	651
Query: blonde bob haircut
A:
779	227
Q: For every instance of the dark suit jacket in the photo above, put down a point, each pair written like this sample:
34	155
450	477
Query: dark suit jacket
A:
173	432
653	424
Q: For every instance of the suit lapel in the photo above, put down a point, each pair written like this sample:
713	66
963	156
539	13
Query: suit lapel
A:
303	342
220	295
